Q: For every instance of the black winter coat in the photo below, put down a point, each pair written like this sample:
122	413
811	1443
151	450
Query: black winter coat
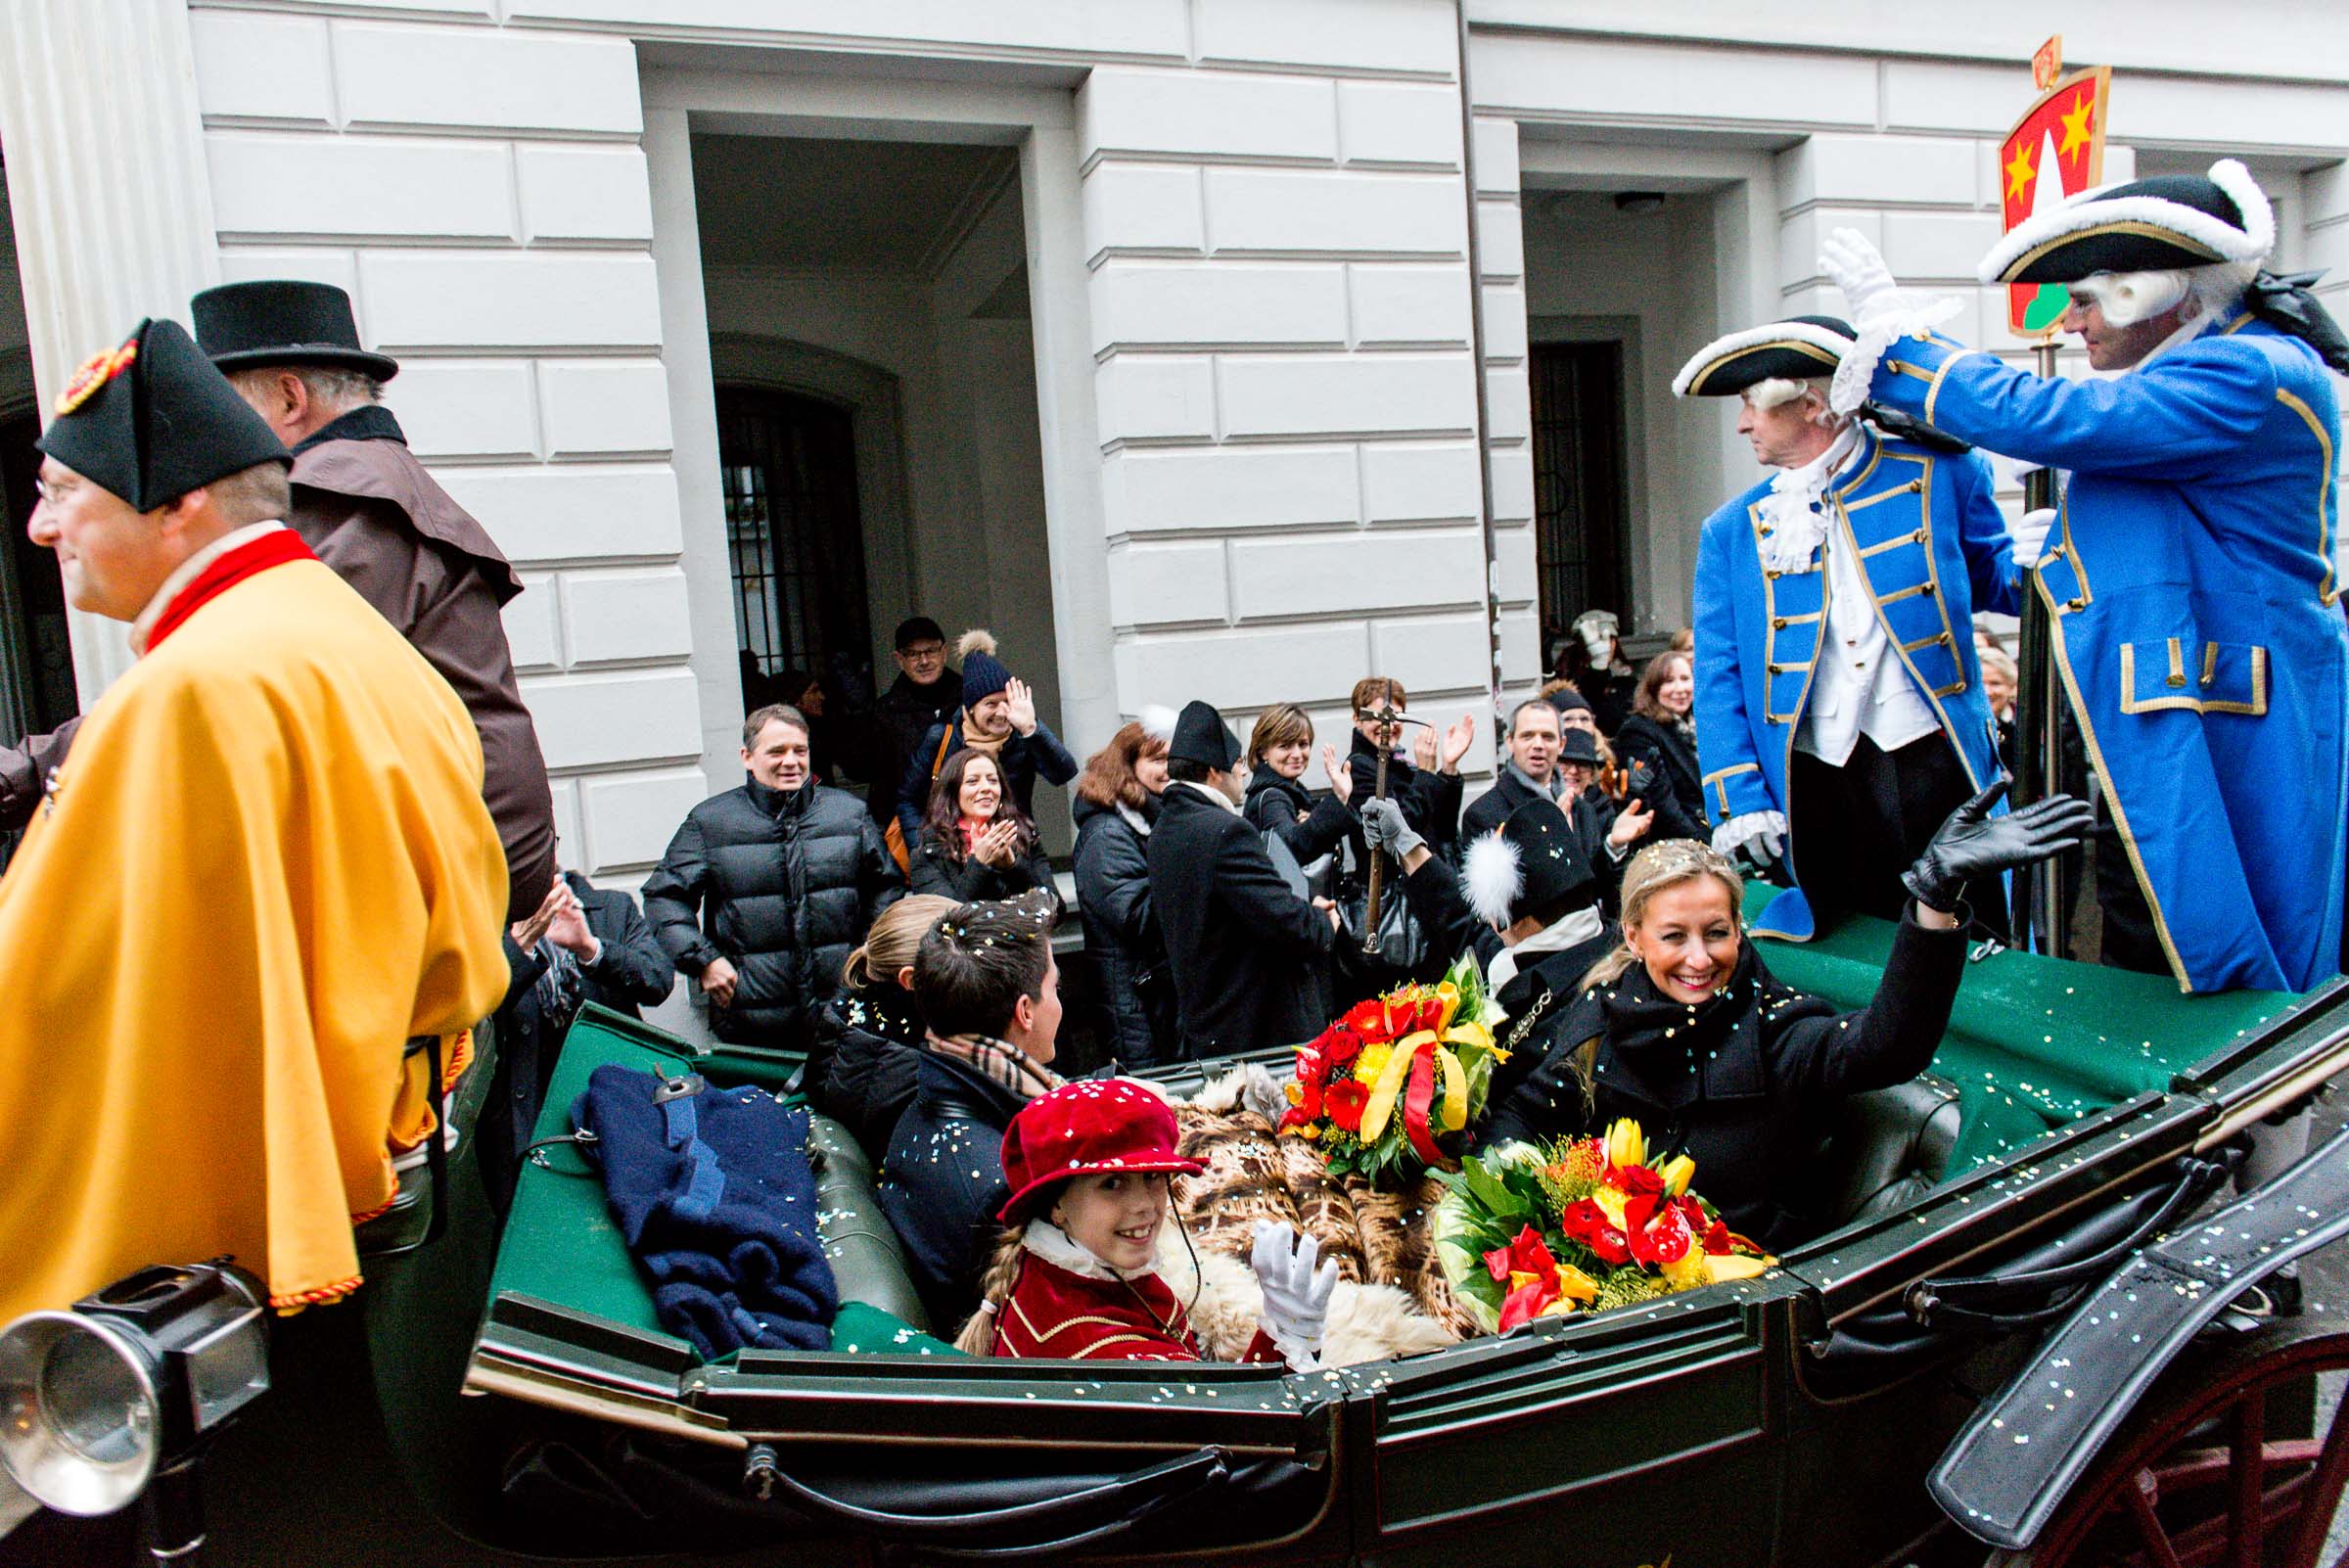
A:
1594	818
969	879
1680	804
905	713
1022	756
1430	801
1121	935
784	887
1247	953
942	1183
869	1045
1311	825
1743	1081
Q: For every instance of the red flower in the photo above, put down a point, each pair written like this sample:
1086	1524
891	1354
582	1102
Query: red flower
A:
1524	1304
1341	1044
1636	1180
1367	1019
1716	1238
1311	1106
1294	1116
1658	1234
1587	1223
1312	1068
1345	1100
1431	1012
1528	1254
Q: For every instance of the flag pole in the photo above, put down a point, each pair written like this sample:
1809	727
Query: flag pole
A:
2041	898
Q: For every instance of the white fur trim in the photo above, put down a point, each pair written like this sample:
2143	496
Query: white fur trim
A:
1494	874
1755	338
2093	208
1158	723
1857	372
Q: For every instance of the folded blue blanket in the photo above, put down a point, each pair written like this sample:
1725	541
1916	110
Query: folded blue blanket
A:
716	1200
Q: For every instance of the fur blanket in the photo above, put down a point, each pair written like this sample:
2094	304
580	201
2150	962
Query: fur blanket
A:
1379	1240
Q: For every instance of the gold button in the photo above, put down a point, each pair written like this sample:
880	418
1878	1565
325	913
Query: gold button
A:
2075	604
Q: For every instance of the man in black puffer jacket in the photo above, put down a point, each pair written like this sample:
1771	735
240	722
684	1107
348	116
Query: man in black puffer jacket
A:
783	876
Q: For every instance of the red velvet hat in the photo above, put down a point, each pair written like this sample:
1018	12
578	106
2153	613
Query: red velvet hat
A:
1101	1124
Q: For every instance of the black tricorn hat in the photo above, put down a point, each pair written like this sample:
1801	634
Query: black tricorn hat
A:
2149	225
1533	864
152	420
283	321
1792	349
1201	736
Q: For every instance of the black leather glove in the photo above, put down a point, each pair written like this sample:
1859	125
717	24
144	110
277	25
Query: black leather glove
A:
1974	844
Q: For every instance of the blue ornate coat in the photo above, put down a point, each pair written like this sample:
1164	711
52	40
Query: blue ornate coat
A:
2196	624
1933	546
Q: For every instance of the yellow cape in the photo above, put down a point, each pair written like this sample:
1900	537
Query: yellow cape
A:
265	865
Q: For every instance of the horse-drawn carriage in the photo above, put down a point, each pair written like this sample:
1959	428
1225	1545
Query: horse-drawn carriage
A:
1889	1393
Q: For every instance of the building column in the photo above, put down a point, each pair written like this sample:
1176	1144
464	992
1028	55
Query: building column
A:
110	198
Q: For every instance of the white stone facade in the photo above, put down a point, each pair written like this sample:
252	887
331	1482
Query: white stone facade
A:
1249	379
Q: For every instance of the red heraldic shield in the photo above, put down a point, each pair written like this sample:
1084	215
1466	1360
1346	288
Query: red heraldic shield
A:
2061	135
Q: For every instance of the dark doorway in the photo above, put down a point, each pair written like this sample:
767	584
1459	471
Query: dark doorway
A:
788	467
36	661
1581	504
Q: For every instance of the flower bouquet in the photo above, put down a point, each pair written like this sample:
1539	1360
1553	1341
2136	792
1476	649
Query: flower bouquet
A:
1579	1224
1389	1089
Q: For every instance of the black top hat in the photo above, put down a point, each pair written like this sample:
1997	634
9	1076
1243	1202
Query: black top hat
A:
1579	746
1798	347
1201	736
2151	225
1533	864
153	420
283	321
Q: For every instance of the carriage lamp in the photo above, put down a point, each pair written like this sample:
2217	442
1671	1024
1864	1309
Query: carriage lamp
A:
97	1401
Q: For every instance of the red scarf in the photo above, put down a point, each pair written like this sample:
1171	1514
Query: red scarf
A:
230	567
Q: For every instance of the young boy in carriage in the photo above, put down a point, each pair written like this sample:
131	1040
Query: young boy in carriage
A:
1090	1166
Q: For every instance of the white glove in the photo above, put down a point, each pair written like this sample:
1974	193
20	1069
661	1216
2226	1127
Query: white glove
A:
1296	1284
1858	268
2030	536
1759	836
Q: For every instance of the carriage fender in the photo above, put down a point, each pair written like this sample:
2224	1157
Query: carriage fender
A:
2007	1473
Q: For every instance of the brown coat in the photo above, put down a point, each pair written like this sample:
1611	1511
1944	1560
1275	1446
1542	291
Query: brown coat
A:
368	509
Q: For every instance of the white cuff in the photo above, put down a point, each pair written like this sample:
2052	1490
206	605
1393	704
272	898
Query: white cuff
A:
1910	318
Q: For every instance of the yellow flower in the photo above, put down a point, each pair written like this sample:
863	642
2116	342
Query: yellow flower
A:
1678	1173
1450	995
1627	1146
1309	1132
1732	1266
1371	1063
1294	1093
1576	1286
1687	1271
1610	1201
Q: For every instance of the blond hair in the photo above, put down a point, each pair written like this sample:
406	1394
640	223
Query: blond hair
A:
978	1335
1662	865
895	940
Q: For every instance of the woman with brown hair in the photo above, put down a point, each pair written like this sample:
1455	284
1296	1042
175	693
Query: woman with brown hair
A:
1426	782
1661	734
1685	1030
1279	747
868	1039
976	843
1117	806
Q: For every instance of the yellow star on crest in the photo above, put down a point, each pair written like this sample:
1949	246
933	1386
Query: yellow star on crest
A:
2019	174
2076	127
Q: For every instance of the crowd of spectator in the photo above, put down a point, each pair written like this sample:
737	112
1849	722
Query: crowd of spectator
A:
904	941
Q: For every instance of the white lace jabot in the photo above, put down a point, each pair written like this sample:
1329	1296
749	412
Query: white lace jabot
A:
1793	508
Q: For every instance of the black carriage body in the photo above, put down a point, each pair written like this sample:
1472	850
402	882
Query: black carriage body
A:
1791	1418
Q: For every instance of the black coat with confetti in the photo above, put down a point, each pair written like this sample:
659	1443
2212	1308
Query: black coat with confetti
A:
1744	1082
941	1181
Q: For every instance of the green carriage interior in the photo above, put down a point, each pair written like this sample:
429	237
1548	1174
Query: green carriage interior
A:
2034	1045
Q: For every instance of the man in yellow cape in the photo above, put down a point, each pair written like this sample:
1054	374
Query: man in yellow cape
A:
265	867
